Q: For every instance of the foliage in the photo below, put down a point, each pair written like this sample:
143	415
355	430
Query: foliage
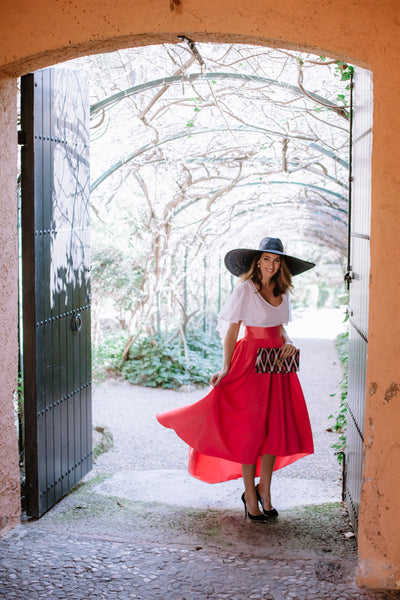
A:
19	396
110	275
19	415
106	354
157	362
345	70
321	287
340	418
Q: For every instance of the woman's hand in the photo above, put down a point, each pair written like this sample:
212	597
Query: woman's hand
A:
216	378
287	350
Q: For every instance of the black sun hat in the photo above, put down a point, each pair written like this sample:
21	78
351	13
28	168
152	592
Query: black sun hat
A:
239	261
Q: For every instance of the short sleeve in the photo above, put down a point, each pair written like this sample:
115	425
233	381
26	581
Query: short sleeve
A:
233	310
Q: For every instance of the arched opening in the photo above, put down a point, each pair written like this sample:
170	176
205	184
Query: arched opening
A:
367	42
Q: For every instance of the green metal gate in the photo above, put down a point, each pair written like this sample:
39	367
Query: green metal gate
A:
56	292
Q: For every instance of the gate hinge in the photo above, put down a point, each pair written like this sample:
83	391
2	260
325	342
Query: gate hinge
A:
349	311
22	138
348	276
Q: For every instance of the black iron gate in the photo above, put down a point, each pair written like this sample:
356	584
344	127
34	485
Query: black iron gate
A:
56	293
358	268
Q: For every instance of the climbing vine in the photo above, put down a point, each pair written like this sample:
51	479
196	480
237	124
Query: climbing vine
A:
340	417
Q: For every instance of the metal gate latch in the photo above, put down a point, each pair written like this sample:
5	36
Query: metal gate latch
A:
76	322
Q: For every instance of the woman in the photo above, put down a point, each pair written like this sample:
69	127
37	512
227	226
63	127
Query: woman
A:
250	423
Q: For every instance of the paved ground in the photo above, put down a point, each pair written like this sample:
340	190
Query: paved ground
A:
73	566
41	562
138	527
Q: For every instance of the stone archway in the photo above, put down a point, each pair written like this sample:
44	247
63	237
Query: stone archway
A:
53	32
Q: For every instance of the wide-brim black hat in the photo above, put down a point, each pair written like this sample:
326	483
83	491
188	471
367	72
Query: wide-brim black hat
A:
239	261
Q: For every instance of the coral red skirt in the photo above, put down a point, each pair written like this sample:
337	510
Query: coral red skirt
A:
247	415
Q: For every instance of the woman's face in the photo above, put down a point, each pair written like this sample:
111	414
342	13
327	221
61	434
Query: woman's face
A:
269	264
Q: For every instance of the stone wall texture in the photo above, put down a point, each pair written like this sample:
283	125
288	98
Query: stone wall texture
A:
9	469
38	33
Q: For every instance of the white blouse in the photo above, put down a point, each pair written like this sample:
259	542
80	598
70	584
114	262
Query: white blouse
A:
246	304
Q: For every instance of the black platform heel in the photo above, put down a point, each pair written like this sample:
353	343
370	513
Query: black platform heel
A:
270	514
254	518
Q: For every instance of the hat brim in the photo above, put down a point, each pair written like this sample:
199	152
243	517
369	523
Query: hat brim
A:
239	261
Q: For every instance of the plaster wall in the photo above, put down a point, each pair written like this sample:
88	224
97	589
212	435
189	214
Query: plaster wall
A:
9	469
37	33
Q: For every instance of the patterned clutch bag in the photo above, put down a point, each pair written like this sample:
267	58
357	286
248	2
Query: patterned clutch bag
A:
269	361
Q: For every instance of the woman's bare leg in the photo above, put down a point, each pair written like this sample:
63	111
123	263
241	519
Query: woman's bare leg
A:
250	495
264	487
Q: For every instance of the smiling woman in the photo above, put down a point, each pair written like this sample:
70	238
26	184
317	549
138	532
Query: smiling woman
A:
264	267
268	264
253	421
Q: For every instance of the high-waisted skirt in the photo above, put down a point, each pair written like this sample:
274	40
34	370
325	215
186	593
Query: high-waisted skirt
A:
247	415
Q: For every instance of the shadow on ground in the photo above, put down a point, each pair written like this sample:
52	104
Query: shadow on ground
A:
307	531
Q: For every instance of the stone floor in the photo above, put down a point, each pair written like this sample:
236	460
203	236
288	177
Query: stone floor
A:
38	564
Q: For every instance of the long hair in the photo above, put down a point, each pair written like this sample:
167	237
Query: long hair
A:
282	278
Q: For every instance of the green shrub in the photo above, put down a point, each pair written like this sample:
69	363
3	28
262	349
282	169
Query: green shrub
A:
107	353
158	362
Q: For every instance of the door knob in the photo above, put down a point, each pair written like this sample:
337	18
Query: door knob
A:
76	322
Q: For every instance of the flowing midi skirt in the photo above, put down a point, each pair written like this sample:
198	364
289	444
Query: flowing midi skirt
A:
247	415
